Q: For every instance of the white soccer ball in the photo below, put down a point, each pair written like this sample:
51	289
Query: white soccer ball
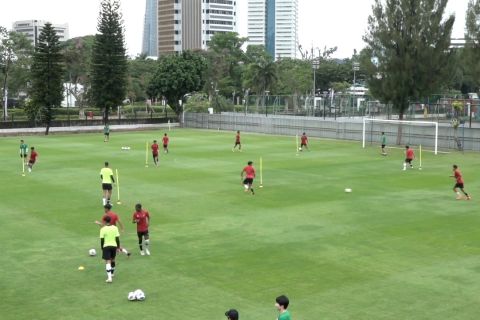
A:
299	149
348	190
131	296
92	252
139	295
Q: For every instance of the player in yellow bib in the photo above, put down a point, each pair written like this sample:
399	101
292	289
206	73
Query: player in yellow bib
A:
110	243
106	174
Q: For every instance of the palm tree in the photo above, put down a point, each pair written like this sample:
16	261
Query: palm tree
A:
262	76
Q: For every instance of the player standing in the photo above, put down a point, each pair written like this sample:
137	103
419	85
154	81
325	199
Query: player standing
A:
237	142
106	132
155	148
165	141
106	174
409	156
23	151
142	219
33	159
114	219
304	142
383	140
459	183
109	242
249	171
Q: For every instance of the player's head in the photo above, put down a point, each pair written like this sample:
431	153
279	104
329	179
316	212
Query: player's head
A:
138	207
154	141
165	134
303	133
107	220
21	141
32	148
282	302
407	147
250	163
232	314
106	163
238	131
107	207
455	167
383	132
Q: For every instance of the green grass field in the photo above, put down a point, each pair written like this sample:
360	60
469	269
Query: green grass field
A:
398	247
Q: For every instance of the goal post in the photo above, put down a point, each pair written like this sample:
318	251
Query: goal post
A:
392	123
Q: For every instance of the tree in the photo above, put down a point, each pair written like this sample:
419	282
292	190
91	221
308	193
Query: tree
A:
140	72
472	47
177	75
78	57
407	50
15	60
47	75
109	61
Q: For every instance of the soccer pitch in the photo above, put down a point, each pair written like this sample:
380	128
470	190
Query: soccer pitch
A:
399	246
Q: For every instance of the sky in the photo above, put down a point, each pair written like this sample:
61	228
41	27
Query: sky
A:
322	23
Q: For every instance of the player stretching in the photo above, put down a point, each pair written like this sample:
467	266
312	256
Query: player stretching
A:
114	219
109	242
155	152
249	171
23	151
165	140
142	219
459	184
33	159
409	156
237	142
106	174
304	142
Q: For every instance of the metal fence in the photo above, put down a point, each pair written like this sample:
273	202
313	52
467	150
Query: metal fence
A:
343	128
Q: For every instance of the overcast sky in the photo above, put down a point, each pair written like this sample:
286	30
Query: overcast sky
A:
340	23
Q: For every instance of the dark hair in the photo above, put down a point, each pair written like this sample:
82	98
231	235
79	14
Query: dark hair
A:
282	301
106	163
407	147
107	219
232	314
108	206
32	148
138	206
250	163
154	141
455	166
304	133
383	132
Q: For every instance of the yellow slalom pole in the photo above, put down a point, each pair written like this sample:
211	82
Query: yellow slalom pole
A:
146	154
23	166
118	187
420	168
261	172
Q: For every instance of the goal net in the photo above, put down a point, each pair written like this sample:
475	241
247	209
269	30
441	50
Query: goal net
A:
401	132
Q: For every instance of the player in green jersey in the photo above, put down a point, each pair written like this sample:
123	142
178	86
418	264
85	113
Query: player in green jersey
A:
23	151
383	140
282	305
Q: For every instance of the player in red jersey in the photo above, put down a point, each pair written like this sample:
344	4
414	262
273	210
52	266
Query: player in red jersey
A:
409	156
33	159
249	171
304	142
155	152
237	142
459	183
165	140
142	219
114	220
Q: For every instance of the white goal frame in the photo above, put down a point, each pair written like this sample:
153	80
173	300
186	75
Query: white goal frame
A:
431	123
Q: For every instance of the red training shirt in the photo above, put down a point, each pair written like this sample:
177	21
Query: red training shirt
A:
304	139
250	171
410	154
237	138
458	176
33	156
155	149
165	140
113	217
141	217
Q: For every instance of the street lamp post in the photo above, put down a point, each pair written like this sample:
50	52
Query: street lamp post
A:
265	104
356	67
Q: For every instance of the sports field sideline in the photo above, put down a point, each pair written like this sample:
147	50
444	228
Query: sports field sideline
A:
399	246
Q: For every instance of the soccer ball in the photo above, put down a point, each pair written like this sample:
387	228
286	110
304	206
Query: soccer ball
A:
92	252
300	149
131	296
348	190
139	295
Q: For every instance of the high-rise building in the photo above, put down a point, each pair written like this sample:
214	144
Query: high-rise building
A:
190	24
32	28
150	29
274	24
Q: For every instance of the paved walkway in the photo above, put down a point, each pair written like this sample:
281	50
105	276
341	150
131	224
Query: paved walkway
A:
82	129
